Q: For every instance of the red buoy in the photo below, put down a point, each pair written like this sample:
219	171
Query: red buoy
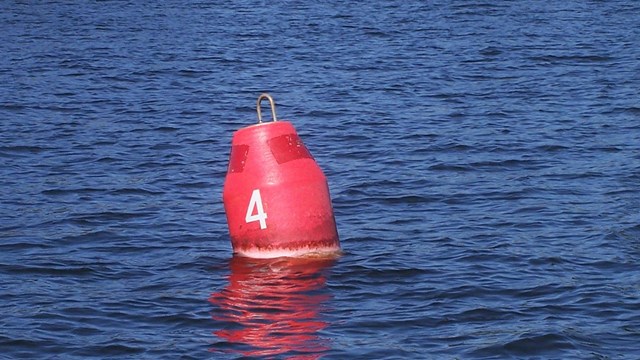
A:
275	195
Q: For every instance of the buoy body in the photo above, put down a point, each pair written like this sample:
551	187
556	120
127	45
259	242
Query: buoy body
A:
275	195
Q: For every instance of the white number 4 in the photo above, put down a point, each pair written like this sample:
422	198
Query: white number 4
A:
256	202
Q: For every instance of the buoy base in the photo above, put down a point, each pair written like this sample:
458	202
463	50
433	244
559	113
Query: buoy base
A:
301	252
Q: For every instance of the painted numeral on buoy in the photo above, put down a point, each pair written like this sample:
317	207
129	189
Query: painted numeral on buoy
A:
260	215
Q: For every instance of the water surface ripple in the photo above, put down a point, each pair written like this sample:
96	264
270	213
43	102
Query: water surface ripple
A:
482	158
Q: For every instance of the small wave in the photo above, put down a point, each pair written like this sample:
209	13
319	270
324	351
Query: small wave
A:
403	199
166	129
195	185
551	148
105	216
12	107
572	58
23	149
135	191
109	350
528	344
490	51
633	110
509	163
61	270
449	167
62	192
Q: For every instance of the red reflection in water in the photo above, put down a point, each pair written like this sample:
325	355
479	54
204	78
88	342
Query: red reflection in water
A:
272	305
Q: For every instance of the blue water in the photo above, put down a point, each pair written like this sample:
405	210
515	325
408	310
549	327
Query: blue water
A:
483	159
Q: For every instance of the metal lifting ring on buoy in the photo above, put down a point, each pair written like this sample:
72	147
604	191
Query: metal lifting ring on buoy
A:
271	103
